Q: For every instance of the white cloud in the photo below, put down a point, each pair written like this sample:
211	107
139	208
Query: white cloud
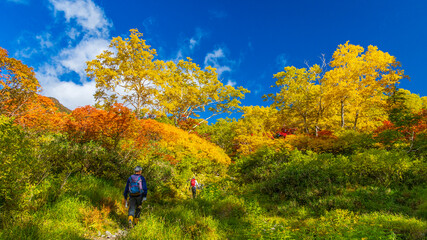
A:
70	94
221	69
92	19
89	16
75	58
179	56
25	53
215	59
45	40
231	83
193	43
212	57
195	40
88	34
73	33
188	45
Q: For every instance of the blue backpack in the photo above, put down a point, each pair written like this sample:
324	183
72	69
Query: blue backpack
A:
135	186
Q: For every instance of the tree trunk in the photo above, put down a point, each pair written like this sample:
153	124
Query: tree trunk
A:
355	120
342	114
305	124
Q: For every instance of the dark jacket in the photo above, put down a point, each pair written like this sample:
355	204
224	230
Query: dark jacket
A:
144	187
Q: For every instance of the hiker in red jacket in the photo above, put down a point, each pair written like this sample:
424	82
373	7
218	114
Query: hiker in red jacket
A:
193	185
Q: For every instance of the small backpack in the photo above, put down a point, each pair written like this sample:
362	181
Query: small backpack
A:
135	186
193	182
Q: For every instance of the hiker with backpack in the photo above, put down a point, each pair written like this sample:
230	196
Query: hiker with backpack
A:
136	188
193	186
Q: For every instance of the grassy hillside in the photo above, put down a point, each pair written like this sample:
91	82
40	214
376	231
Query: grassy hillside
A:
64	186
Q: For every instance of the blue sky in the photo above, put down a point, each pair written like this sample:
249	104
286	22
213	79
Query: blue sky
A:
247	41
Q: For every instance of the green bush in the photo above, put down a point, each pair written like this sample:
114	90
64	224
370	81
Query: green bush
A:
343	224
387	168
22	168
296	172
260	166
351	141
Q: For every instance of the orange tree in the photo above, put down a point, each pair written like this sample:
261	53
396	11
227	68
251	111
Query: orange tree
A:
41	114
108	127
179	144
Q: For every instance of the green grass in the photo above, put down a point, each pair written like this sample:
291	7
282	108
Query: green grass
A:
85	206
226	210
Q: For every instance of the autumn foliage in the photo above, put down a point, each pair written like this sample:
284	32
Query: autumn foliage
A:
129	72
391	133
18	84
91	124
178	143
41	114
119	127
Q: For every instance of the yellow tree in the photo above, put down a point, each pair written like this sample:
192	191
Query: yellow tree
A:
126	73
185	90
424	102
18	84
258	120
359	82
257	128
300	96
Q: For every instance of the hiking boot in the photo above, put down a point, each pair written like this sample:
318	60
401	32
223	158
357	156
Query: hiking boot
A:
130	222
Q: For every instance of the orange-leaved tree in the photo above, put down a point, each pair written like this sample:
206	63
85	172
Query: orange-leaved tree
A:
106	126
41	114
176	145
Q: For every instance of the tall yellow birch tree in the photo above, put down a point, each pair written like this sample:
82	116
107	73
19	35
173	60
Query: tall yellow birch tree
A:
299	97
129	73
359	83
185	90
126	73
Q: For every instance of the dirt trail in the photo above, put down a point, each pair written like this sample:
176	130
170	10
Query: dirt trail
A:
108	235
